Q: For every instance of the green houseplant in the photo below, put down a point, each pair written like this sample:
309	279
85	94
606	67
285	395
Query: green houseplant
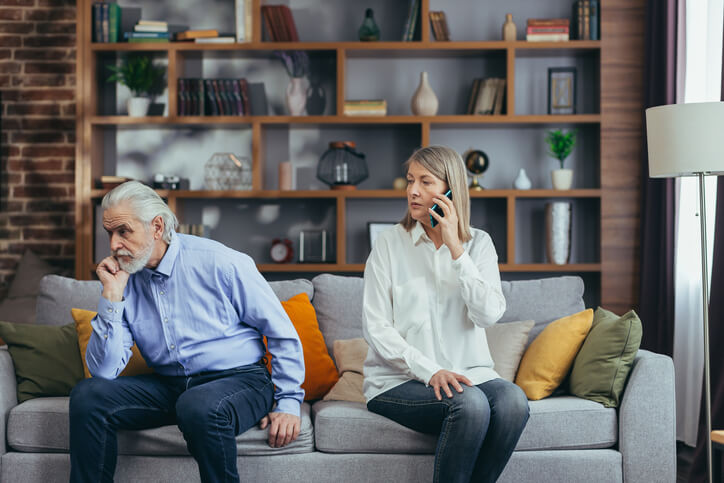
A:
142	78
560	146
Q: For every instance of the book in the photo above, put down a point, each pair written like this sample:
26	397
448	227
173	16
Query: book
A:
97	22
554	37
159	23
593	15
241	12
215	40
135	40
130	16
114	22
196	34
499	96
546	30
473	96
145	35
257	99
547	21
150	28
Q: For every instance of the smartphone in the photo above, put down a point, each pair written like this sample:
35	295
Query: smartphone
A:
438	210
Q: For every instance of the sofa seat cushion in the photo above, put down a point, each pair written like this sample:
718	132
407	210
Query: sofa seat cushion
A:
555	423
41	426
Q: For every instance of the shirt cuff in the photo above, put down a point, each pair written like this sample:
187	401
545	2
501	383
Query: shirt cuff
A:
462	261
288	405
110	312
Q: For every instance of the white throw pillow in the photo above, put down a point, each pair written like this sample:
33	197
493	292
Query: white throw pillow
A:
507	343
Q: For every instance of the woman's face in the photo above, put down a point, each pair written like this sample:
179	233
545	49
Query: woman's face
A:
422	186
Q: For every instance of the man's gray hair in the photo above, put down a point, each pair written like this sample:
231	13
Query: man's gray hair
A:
145	204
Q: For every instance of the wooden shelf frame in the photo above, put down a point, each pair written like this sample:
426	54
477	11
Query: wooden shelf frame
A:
90	126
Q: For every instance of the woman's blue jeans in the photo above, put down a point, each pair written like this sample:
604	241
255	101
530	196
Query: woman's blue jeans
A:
210	409
478	428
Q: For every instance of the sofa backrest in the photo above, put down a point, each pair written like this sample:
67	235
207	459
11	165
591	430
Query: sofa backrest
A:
338	303
60	294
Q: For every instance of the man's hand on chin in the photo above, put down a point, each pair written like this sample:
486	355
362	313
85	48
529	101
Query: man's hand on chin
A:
283	428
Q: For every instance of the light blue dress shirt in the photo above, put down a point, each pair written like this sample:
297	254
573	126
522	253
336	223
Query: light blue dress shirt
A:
204	308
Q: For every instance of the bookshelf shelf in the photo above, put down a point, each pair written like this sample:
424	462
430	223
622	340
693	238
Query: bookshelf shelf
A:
270	139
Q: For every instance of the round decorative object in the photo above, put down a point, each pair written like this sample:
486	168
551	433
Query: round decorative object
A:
341	166
227	171
477	163
281	250
399	183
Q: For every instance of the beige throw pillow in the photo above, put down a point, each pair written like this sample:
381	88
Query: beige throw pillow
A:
507	344
350	355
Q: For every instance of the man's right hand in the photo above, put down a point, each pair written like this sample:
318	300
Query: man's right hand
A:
114	279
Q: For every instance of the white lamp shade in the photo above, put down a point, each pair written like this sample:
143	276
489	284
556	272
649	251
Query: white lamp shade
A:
685	139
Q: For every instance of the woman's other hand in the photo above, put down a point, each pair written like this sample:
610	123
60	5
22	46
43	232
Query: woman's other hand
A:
443	379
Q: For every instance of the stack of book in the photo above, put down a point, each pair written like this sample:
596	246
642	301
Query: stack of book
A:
409	33
547	30
585	20
197	34
486	96
213	97
279	23
438	22
148	31
365	107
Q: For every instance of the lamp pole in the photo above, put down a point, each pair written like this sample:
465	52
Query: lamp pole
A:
705	308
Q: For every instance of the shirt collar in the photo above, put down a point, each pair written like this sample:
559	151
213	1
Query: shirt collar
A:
418	233
165	266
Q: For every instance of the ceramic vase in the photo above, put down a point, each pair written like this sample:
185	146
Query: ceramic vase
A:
424	101
296	96
522	182
562	179
138	106
369	31
558	232
510	31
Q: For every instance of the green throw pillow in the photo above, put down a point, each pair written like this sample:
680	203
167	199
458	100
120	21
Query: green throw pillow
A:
46	358
602	365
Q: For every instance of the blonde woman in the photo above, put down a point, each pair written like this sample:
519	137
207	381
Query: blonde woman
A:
430	290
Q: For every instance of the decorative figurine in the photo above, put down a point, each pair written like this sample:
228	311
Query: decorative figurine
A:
369	31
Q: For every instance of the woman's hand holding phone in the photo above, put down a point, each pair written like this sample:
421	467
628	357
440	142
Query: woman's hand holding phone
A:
448	222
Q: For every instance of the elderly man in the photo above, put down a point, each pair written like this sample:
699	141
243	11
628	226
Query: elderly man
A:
197	311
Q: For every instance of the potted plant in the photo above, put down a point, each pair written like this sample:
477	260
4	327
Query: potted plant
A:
142	78
561	145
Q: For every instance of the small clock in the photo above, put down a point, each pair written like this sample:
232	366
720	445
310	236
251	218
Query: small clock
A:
281	250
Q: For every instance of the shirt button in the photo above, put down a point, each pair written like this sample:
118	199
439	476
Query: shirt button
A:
162	292
165	319
110	310
173	346
105	336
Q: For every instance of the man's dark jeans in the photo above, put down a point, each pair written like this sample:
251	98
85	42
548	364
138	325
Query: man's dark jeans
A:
209	408
478	427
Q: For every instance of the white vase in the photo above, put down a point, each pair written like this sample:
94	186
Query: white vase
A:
522	182
562	179
424	101
558	232
138	106
296	96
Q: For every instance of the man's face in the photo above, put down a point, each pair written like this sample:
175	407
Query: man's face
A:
131	241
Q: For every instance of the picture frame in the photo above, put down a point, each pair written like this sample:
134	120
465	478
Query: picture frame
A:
562	90
374	228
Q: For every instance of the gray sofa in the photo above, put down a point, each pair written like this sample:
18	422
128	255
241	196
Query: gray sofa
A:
566	439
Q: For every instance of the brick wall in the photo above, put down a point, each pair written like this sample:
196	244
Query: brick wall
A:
37	80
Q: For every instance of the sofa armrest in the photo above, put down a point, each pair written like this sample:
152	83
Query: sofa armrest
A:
8	394
647	420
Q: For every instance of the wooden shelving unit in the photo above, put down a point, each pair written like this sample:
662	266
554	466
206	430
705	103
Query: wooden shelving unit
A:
91	126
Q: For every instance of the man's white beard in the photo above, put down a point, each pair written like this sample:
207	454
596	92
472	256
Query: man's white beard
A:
137	261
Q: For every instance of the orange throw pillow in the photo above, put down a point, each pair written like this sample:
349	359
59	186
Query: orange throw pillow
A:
320	372
83	326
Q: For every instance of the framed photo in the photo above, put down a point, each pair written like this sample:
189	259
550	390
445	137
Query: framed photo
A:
374	228
561	90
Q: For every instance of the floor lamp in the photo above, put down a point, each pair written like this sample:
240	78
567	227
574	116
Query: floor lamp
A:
688	140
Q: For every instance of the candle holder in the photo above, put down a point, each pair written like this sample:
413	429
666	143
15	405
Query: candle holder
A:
341	166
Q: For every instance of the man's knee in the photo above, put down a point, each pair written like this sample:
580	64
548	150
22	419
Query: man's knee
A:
87	395
195	414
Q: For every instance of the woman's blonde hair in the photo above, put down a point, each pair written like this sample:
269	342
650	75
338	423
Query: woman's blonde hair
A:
445	164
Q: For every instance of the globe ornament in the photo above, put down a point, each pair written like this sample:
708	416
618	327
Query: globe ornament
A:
476	162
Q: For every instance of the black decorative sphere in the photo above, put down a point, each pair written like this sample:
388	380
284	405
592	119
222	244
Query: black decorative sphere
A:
341	166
